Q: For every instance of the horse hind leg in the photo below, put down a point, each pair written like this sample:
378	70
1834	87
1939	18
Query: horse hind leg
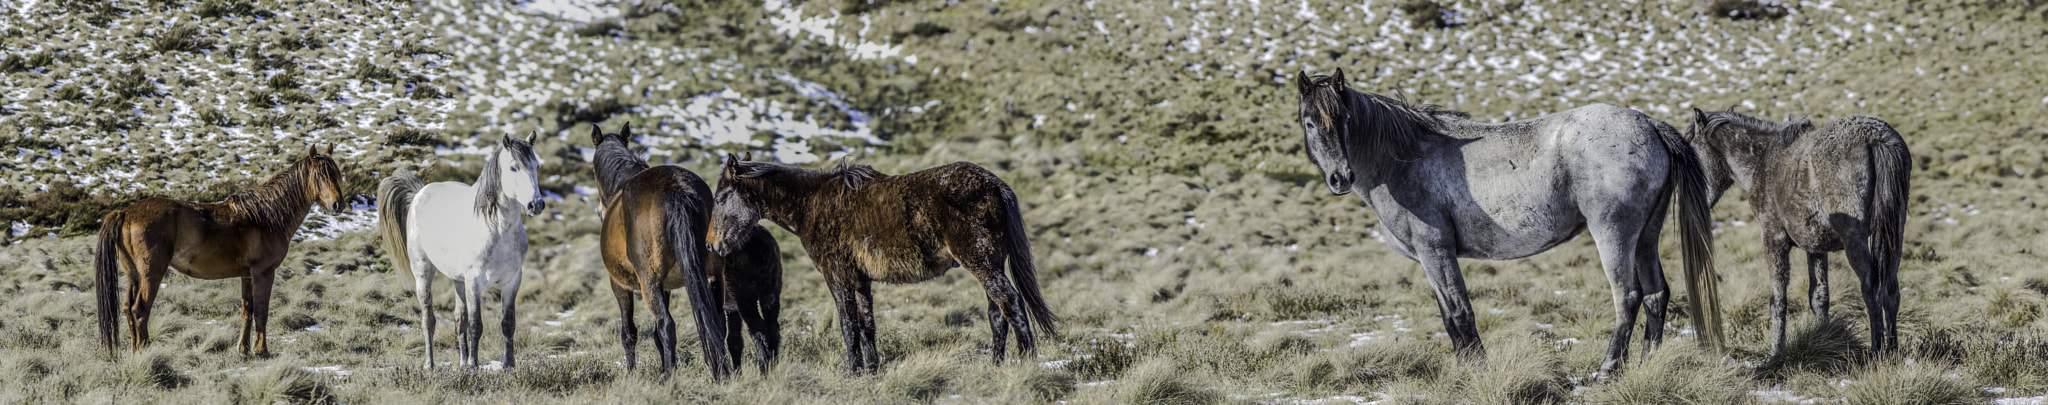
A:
1817	284
1618	256
1853	235
762	323
1656	291
143	286
423	285
1005	305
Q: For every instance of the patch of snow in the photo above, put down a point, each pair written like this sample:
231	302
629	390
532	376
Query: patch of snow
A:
574	10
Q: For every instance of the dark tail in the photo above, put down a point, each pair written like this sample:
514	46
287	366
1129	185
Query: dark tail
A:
1890	165
106	263
687	219
1696	238
1022	272
394	205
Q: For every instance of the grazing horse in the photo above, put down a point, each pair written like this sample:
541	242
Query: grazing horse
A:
653	241
244	237
1842	187
862	226
1446	187
473	234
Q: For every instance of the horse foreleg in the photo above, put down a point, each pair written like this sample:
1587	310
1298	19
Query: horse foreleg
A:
735	342
629	335
1454	306
462	321
248	312
509	294
475	313
1777	246
864	305
762	322
260	300
849	324
1817	284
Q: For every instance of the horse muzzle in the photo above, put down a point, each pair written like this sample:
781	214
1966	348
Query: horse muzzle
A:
1340	183
535	207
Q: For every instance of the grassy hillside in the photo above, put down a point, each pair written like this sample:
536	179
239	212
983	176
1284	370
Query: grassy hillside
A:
1188	245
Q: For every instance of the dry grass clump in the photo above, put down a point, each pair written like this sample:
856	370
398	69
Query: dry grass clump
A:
1899	382
1678	373
1160	382
1822	347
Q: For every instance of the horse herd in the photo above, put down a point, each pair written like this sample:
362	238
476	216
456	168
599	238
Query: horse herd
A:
1442	185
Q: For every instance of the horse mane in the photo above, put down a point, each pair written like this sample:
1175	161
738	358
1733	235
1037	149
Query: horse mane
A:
1783	130
275	202
1391	127
852	175
615	163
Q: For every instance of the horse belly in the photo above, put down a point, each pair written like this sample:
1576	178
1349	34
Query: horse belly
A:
903	262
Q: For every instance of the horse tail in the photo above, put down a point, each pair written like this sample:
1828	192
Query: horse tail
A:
1696	237
686	220
1022	273
106	264
1890	166
394	209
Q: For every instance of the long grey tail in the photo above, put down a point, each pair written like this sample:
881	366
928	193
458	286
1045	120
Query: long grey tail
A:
1696	237
1022	272
394	206
106	263
1890	165
687	221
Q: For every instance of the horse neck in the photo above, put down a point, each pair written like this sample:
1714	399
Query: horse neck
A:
1382	138
491	202
786	199
279	204
614	165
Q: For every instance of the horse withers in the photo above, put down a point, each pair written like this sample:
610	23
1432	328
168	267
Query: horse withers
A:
1446	187
653	236
1837	188
472	234
245	236
862	226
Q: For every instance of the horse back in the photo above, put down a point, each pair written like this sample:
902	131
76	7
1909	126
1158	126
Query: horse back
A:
204	240
897	227
1824	173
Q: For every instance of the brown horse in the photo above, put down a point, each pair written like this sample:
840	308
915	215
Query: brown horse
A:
862	226
752	278
244	237
653	241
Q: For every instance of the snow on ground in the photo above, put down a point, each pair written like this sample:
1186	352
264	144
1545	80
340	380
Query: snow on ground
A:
574	10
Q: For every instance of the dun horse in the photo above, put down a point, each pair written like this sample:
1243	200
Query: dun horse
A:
862	226
244	237
1842	187
653	241
472	234
1446	187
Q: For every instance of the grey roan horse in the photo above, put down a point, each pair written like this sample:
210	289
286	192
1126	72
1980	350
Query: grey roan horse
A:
1826	190
1446	187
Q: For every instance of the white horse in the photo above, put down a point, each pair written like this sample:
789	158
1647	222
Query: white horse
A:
472	234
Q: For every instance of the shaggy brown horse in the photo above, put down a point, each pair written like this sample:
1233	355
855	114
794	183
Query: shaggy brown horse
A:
653	241
244	237
862	226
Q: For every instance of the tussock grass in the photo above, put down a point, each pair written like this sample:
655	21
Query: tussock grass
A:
1678	373
1827	347
181	38
1745	9
923	376
1163	383
1894	381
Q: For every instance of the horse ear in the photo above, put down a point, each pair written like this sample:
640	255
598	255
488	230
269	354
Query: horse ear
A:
532	136
748	157
312	149
626	131
330	149
1338	80
1698	116
596	134
1301	82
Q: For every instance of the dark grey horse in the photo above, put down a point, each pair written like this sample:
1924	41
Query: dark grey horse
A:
1446	187
1842	187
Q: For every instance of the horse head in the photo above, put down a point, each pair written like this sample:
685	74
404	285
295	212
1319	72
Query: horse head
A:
520	172
1322	116
737	208
324	179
